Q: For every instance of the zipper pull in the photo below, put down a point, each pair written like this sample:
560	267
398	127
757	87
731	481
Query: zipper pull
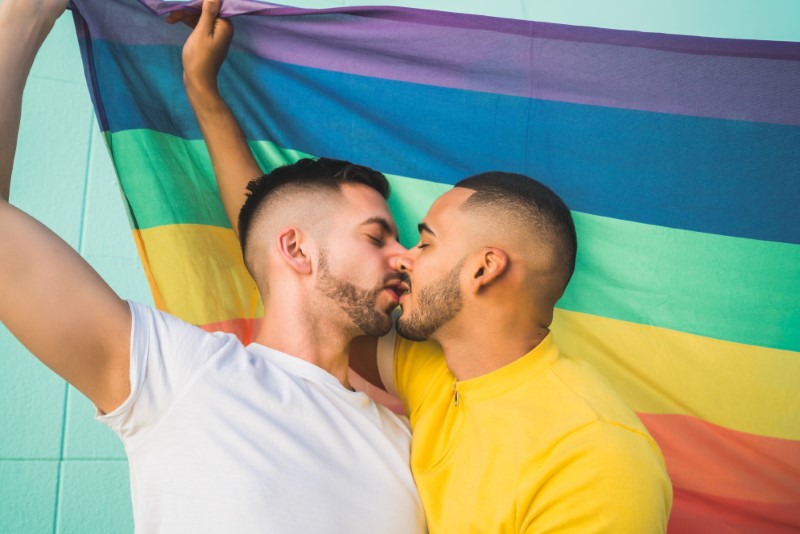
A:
455	393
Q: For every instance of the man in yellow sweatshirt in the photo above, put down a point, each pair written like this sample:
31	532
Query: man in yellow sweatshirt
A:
509	435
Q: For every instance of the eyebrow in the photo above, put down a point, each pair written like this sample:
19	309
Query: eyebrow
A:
384	224
422	227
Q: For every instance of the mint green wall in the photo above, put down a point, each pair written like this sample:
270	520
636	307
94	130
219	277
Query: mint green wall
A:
59	470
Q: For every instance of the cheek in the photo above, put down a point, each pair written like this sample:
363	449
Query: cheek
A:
372	260
366	263
424	272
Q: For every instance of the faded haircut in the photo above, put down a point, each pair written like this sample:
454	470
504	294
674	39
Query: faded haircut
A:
322	173
532	206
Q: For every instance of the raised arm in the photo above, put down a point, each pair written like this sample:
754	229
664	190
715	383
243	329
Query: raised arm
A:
23	28
234	165
50	298
203	55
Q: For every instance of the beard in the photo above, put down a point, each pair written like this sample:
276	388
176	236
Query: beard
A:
437	304
359	304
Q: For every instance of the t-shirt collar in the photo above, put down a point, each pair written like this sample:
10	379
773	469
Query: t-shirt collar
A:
512	375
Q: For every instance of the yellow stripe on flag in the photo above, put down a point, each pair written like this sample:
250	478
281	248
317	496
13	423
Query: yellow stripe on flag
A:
197	273
741	387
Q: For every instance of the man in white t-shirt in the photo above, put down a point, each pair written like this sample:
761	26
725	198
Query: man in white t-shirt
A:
223	437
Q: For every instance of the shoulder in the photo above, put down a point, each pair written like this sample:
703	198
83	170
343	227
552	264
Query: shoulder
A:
601	477
160	326
581	419
614	446
167	346
576	395
597	466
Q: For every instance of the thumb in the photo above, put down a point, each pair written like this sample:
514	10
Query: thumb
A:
208	16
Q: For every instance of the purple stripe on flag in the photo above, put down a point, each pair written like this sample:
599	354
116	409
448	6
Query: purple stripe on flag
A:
676	43
688	44
554	63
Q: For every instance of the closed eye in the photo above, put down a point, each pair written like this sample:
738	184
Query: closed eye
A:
382	228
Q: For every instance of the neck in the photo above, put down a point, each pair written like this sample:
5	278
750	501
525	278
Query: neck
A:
502	338
292	327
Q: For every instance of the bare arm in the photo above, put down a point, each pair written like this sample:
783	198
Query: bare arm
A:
233	162
364	359
203	55
50	298
22	31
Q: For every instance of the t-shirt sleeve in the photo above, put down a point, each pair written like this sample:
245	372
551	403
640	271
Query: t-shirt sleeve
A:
602	478
409	369
166	355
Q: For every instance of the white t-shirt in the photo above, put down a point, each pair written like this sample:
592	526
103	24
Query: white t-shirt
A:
226	438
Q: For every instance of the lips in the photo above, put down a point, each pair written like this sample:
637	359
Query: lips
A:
398	288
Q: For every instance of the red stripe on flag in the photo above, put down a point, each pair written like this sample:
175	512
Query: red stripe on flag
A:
716	461
694	513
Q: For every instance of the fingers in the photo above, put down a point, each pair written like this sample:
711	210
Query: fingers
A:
189	18
224	29
209	15
206	19
207	47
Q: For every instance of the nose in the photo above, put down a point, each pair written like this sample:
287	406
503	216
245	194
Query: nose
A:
395	253
405	263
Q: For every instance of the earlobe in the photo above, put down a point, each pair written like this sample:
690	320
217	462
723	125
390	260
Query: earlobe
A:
292	248
493	262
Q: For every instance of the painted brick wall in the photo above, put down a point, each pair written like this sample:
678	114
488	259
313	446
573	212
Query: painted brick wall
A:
60	471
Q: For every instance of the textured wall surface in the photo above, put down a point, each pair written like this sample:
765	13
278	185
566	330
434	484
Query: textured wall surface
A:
60	471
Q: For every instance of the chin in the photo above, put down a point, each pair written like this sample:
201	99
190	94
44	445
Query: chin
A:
385	328
411	335
386	310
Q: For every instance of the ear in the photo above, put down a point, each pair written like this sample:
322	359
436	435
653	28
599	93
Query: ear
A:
292	246
490	265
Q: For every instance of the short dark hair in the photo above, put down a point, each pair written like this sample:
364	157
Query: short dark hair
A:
312	173
538	207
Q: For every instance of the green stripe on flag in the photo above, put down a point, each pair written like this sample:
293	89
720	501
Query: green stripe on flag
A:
727	288
722	287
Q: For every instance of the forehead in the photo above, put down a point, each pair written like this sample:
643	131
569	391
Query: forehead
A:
361	202
445	208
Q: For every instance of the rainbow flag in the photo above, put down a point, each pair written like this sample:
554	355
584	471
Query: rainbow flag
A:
679	156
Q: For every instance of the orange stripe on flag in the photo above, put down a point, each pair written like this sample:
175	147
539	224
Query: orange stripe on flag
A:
712	460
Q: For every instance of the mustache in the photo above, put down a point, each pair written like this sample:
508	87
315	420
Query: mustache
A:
400	277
